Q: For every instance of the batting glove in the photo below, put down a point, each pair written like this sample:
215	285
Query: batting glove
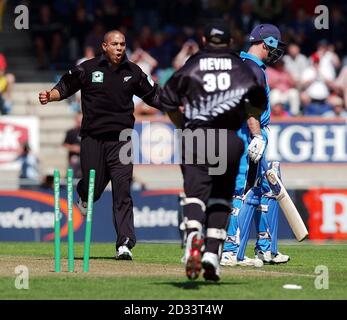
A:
256	148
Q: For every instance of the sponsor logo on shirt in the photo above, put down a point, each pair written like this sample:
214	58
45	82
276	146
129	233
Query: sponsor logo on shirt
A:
98	76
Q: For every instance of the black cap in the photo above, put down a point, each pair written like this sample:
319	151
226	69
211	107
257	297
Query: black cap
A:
217	32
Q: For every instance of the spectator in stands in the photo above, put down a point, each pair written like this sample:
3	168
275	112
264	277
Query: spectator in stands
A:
340	84
283	87
316	90
7	81
295	62
48	37
338	110
72	143
189	48
144	60
147	63
278	110
143	19
328	60
29	164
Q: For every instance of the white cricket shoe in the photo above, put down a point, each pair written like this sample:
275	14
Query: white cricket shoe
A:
124	253
279	258
210	263
264	256
269	258
230	259
82	205
248	262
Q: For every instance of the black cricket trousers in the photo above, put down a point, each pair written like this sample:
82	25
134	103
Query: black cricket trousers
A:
199	183
197	180
102	154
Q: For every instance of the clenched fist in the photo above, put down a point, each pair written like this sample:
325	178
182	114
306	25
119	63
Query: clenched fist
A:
44	97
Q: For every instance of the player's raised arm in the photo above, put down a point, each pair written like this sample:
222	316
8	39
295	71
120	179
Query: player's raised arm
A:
148	90
49	96
68	85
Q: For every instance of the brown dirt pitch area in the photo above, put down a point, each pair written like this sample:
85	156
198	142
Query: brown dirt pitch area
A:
44	266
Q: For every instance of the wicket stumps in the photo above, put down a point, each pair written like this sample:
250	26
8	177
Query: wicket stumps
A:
70	220
57	216
56	221
89	221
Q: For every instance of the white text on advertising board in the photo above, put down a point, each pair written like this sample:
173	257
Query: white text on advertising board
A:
308	143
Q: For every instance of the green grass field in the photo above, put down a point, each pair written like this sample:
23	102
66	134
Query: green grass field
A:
156	273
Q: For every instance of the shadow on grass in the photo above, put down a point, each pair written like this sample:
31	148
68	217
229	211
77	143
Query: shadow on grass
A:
99	258
196	285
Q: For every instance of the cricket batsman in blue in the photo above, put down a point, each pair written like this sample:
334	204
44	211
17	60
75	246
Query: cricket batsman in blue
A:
253	197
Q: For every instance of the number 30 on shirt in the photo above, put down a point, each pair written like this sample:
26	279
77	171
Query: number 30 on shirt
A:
213	82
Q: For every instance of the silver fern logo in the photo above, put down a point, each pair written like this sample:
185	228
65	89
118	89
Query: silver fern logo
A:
213	105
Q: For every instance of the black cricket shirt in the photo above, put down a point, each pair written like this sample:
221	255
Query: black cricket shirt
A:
213	86
107	93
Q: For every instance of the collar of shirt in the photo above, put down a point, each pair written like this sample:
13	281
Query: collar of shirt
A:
103	60
245	55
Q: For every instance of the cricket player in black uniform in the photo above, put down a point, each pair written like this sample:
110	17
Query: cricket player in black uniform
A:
218	91
107	83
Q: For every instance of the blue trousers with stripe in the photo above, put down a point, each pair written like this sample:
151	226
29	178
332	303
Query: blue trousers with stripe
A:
261	217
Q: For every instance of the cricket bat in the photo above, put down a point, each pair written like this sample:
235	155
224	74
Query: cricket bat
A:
286	204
